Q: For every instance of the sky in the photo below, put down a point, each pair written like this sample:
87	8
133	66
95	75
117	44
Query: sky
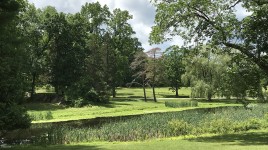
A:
142	10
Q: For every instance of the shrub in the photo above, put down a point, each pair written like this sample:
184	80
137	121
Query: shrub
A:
179	127
41	116
79	103
181	103
254	124
222	125
13	117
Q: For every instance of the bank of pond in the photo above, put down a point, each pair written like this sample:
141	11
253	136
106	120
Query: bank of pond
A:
221	120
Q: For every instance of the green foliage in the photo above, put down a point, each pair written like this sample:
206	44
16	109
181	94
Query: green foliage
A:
242	78
205	69
220	126
41	116
181	103
216	22
254	124
174	67
13	117
13	67
9	10
179	127
124	46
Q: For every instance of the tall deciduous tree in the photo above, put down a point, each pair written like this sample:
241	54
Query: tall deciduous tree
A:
124	46
37	41
153	67
174	67
242	78
13	68
216	21
140	67
94	83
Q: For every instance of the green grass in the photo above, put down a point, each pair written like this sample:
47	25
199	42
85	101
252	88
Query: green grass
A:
161	92
116	107
129	101
254	140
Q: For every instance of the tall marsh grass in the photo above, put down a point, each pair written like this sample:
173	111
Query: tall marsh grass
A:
191	122
181	103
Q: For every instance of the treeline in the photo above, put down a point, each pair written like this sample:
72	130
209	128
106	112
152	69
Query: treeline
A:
85	55
210	71
242	37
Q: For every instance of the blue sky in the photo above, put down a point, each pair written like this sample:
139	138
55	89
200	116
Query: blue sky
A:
142	10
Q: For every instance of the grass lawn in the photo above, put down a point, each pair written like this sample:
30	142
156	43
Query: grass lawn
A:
161	92
117	107
125	104
253	140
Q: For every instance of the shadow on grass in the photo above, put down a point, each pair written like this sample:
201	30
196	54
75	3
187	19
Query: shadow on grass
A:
44	106
244	139
134	97
60	147
224	101
124	94
174	96
121	99
111	104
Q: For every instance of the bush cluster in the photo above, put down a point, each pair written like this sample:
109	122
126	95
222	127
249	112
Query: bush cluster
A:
41	116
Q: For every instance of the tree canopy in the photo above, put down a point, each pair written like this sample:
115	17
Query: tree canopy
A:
216	22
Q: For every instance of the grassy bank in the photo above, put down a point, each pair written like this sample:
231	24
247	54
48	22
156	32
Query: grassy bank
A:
253	140
139	128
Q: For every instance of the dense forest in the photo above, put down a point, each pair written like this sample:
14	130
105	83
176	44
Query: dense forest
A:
85	56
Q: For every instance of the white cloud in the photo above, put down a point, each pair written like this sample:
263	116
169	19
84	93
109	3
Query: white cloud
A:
241	12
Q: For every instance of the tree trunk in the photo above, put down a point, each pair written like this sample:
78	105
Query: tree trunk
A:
209	96
144	93
56	89
114	92
144	90
33	85
154	93
177	91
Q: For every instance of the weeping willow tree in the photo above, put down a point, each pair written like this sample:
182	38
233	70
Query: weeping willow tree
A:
204	71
